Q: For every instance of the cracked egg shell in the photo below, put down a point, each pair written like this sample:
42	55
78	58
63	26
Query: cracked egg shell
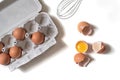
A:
4	59
38	38
15	52
19	33
85	28
79	57
1	46
98	47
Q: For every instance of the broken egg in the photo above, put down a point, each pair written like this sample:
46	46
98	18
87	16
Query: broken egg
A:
4	59
19	33
81	46
38	38
1	46
85	28
98	47
15	52
79	57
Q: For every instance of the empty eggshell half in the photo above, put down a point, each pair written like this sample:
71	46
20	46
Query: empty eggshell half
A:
85	28
4	59
15	52
38	38
19	33
86	61
98	47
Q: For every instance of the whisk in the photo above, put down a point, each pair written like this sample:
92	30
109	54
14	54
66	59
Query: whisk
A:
67	8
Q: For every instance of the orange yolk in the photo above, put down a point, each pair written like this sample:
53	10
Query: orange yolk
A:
81	46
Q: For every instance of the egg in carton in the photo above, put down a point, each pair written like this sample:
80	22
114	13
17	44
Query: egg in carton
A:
26	33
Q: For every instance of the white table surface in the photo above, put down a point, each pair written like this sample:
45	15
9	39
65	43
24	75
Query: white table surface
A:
58	64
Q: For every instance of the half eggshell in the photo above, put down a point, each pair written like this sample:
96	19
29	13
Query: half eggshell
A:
98	47
85	28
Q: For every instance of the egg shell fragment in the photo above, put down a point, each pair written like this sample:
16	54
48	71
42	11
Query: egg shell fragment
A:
85	28
98	47
79	57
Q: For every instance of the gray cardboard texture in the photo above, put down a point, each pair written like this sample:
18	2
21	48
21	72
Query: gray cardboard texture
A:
24	13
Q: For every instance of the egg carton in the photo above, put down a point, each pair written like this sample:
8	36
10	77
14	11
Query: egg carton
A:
40	22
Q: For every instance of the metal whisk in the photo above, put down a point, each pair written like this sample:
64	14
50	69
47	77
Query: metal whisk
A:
67	8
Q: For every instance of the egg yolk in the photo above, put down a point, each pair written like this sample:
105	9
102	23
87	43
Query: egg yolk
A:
81	46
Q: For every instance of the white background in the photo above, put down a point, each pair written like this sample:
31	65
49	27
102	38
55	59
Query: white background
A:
58	62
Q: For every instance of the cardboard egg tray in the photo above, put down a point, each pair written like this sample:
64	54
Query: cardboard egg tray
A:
33	23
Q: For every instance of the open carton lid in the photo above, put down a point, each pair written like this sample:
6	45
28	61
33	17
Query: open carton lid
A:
16	12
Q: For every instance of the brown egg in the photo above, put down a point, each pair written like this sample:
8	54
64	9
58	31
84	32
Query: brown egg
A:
19	33
1	46
85	28
4	59
79	57
15	52
38	38
98	47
